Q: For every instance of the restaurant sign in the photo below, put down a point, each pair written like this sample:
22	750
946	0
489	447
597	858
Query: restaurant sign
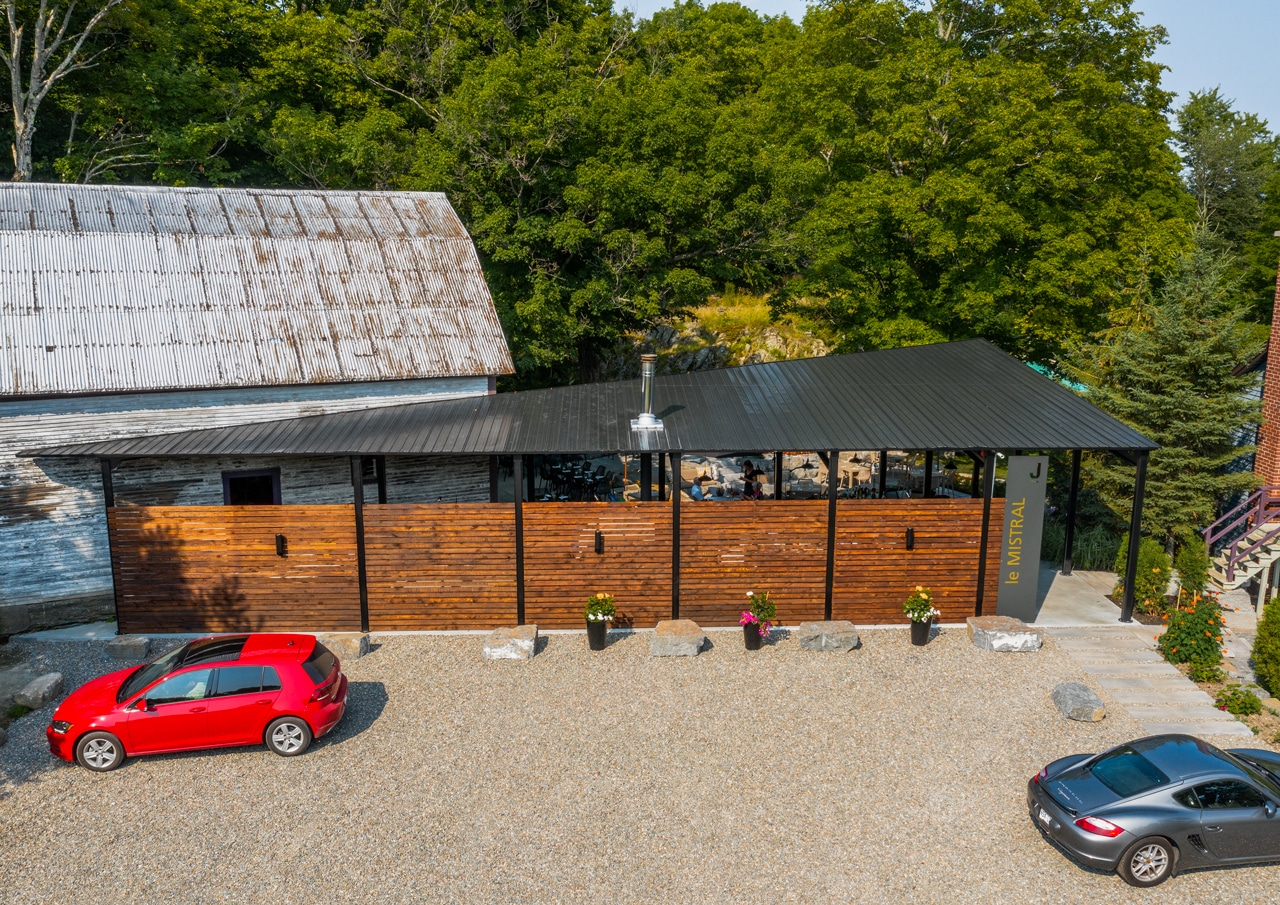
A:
1023	528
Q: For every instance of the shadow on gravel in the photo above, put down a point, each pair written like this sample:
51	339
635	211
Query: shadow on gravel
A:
23	760
365	703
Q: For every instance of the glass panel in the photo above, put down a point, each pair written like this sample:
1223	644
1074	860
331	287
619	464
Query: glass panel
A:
238	680
1229	793
187	686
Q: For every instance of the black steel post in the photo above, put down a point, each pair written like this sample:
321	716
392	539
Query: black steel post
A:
493	479
1135	535
833	489
380	470
884	472
357	489
928	473
662	478
518	475
675	538
646	477
988	491
1068	549
777	475
529	477
975	483
109	497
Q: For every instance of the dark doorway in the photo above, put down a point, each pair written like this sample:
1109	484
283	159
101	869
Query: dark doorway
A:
251	488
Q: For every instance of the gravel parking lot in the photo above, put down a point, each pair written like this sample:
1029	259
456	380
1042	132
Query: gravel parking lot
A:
891	774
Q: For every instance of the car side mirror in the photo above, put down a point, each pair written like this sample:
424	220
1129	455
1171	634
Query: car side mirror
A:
1271	808
142	705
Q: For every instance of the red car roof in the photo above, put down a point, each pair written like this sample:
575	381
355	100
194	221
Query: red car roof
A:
278	644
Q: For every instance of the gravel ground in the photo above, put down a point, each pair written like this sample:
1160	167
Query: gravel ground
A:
891	774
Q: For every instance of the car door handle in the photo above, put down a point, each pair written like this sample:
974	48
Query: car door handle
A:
1213	829
264	701
197	710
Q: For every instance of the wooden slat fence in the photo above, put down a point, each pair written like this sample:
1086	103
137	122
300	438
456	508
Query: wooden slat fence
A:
730	548
440	565
215	568
562	568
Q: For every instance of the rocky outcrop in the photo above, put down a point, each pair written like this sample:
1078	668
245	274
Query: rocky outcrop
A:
677	638
837	635
519	643
1004	634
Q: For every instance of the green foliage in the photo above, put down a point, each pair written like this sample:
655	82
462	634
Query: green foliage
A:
1238	701
1266	648
761	606
16	711
1171	373
1151	580
600	608
1094	548
919	606
1192	563
1194	633
1206	672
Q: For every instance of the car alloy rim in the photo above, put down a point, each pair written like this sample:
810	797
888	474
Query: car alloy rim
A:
287	737
100	753
1150	862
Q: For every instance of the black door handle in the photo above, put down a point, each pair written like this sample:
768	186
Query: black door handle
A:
1213	829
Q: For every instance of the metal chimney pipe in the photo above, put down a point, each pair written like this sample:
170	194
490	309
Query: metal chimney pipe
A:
648	367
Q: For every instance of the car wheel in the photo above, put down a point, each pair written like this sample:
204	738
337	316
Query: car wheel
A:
99	752
1148	862
289	736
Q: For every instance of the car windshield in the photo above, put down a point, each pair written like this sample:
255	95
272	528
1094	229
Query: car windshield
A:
145	675
1260	773
1126	772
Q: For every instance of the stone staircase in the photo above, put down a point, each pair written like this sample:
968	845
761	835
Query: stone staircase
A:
1253	565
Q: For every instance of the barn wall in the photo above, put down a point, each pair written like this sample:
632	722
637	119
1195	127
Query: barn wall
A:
52	523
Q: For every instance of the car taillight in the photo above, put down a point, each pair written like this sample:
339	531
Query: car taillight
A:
320	694
1044	772
1099	827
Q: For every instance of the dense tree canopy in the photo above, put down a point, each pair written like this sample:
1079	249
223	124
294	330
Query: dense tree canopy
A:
896	171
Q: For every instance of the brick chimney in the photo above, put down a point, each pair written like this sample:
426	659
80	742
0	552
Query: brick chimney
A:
1266	465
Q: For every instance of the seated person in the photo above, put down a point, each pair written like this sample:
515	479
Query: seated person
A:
697	492
752	489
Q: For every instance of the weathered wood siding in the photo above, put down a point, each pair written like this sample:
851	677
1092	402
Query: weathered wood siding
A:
196	569
440	566
562	569
52	525
875	572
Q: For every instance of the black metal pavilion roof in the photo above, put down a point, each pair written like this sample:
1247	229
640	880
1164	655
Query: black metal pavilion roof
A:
961	395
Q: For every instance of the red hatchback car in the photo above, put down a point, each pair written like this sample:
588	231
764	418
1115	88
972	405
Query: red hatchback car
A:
281	690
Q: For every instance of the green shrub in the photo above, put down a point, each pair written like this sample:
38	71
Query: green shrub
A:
1095	548
1266	648
1152	579
1238	701
1206	672
16	711
1192	563
1194	634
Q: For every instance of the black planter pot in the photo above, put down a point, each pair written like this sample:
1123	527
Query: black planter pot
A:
751	636
920	632
597	634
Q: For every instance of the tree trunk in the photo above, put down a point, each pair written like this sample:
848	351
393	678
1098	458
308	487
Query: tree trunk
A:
22	165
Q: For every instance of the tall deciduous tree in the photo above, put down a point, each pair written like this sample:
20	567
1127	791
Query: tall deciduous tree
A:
46	44
1174	378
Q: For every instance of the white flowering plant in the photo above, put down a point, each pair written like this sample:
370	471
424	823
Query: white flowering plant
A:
919	606
600	608
761	611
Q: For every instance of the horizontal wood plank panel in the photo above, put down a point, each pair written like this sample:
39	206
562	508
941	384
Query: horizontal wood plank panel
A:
730	548
875	572
440	565
215	569
562	569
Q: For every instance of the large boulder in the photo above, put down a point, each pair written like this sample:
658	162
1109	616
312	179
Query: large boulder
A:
837	634
1078	702
40	691
129	647
517	643
677	638
1004	633
346	645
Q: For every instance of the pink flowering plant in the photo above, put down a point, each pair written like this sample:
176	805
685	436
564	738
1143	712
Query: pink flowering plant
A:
600	608
919	606
760	612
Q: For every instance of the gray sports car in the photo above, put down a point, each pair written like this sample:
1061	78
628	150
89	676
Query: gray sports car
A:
1152	807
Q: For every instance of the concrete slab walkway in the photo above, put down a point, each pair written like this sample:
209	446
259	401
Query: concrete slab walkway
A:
1125	662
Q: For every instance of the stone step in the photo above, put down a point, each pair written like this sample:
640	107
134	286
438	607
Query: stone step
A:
1127	641
1198	727
1116	656
1156	683
1131	669
1169	711
1171	695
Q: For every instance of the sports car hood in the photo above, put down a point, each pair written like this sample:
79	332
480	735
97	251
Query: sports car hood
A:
94	698
1078	791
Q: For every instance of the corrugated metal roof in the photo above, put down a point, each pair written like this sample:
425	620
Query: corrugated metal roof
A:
964	395
129	288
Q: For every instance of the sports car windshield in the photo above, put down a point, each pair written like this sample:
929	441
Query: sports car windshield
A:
1127	773
145	675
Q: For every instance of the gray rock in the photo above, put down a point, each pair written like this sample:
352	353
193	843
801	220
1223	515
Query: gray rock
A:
1078	702
1004	633
838	634
12	680
129	647
677	638
347	645
517	643
1273	703
40	691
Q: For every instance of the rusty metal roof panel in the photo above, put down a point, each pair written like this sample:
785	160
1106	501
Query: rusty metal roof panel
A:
128	288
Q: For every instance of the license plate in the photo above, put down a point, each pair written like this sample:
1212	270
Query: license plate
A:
1043	816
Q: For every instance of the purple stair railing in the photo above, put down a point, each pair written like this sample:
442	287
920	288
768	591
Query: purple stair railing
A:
1260	508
